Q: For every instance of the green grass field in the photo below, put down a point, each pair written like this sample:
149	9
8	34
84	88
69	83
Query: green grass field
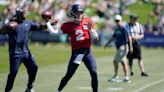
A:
53	59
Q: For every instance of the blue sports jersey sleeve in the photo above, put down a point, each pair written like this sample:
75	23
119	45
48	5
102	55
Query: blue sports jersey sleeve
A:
34	26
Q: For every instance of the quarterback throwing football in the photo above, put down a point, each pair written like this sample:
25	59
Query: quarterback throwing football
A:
80	30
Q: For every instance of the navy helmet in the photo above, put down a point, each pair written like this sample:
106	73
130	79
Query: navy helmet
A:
74	9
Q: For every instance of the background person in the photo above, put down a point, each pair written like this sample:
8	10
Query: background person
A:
121	37
137	33
17	29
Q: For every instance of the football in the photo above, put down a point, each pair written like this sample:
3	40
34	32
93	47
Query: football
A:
46	15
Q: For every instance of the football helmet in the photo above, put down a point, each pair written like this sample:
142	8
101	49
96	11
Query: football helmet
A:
74	9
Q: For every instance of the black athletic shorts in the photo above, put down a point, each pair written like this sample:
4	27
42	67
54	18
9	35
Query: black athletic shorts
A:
136	51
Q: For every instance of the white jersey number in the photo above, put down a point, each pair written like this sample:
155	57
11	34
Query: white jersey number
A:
80	35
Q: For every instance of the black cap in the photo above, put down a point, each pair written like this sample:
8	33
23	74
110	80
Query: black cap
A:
133	16
20	10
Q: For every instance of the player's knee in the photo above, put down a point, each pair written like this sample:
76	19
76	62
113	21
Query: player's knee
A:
13	72
130	63
69	75
93	73
35	67
139	59
94	76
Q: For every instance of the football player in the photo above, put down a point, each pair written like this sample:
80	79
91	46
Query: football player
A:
17	30
80	30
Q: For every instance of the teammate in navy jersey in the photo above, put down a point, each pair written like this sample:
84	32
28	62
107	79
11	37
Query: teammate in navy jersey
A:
17	30
80	30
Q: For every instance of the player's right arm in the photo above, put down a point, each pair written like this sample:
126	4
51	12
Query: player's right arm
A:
53	29
109	41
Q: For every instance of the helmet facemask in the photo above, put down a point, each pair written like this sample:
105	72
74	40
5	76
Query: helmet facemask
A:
76	12
78	17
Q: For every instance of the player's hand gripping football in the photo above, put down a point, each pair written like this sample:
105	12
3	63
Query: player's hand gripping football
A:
47	15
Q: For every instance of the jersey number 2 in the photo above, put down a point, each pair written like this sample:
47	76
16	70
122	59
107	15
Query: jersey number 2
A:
80	35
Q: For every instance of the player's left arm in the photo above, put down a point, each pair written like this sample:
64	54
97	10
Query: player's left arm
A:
92	31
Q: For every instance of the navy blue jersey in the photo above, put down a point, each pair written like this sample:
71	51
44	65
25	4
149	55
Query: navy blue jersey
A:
18	38
121	35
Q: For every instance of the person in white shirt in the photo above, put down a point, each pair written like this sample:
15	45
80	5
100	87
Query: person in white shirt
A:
136	31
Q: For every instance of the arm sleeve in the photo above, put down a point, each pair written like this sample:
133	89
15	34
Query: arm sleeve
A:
127	32
114	33
93	33
53	30
127	27
35	26
141	29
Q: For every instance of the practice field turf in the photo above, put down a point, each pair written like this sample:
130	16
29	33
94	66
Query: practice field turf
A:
53	60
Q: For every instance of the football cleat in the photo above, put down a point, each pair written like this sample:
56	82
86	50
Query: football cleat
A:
29	90
126	80
144	74
131	73
114	79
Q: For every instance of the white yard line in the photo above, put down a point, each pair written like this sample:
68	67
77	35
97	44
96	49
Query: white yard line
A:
149	85
114	89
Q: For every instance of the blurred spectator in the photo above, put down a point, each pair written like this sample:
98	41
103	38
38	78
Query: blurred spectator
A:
156	11
61	13
158	1
161	24
101	10
130	2
45	5
122	7
4	2
10	11
148	27
145	1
